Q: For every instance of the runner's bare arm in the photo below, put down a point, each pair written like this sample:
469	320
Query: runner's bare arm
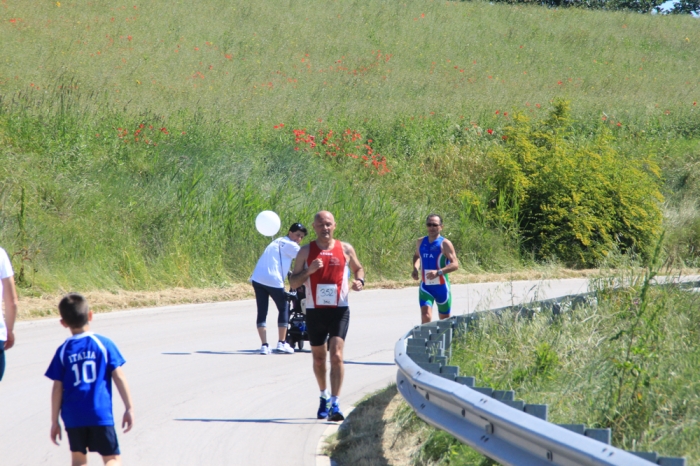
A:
416	261
357	270
300	273
449	250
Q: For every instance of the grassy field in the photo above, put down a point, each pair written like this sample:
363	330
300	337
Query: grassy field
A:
627	363
139	141
302	60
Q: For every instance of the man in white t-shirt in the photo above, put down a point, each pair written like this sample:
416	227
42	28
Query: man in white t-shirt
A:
9	297
268	282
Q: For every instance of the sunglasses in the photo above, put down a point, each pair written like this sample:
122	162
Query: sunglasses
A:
432	224
298	227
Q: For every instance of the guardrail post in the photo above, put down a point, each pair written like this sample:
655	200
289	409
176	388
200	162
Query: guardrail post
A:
468	380
602	435
669	461
539	411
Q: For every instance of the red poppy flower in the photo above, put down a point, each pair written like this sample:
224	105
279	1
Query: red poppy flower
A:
490	131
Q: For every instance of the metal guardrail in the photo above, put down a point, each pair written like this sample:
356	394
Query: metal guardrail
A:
493	422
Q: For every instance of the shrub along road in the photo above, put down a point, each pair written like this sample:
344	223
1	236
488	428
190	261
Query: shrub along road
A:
202	393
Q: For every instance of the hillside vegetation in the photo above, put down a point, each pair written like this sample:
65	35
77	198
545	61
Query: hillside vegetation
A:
626	362
139	141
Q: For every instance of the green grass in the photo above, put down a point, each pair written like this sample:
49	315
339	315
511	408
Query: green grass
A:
628	363
303	60
85	205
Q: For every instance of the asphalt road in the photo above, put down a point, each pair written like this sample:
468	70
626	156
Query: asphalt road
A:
202	393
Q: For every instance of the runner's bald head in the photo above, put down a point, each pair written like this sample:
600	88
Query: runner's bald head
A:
323	215
324	225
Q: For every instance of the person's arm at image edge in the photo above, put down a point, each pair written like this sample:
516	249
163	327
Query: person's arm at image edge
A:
9	297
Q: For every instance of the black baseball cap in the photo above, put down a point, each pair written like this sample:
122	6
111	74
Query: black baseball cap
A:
298	227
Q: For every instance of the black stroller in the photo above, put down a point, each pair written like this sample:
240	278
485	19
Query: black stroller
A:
296	332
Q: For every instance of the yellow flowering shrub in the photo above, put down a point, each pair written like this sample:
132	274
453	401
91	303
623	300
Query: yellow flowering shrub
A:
573	199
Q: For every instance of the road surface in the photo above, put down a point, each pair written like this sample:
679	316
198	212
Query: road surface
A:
202	393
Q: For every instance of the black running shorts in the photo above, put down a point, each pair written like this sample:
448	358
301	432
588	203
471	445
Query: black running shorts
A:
99	439
329	322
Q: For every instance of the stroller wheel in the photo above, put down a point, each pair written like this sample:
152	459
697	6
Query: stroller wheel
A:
301	344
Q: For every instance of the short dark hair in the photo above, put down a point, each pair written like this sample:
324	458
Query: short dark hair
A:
298	227
74	310
434	215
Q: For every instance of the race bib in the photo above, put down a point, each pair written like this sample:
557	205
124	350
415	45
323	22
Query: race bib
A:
434	281
327	295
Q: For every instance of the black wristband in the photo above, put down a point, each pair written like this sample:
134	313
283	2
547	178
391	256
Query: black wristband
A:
362	280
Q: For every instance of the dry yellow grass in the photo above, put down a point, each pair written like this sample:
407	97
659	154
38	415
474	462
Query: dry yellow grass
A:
31	307
105	301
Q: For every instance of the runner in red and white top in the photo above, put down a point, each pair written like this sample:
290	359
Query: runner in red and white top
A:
324	266
328	287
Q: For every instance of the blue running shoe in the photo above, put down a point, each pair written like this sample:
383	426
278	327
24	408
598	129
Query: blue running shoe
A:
323	408
334	414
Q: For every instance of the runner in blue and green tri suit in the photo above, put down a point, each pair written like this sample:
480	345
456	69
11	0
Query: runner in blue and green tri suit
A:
436	257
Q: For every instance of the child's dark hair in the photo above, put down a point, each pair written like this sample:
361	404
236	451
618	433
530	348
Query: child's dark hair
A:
74	310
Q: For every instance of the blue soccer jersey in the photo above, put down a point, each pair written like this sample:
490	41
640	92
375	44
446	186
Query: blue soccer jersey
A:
84	363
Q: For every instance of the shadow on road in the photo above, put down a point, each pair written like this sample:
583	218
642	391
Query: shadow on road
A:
361	436
370	363
244	352
261	421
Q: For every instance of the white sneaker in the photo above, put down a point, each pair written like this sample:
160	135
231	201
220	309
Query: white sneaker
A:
265	349
283	347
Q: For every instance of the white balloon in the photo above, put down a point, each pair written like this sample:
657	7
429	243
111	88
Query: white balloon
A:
267	223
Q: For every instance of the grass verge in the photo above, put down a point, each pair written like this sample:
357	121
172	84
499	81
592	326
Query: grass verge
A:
32	305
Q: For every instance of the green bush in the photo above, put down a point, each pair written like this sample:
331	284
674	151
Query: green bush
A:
569	198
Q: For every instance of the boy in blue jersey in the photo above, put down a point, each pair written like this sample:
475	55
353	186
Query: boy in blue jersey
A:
82	370
436	257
